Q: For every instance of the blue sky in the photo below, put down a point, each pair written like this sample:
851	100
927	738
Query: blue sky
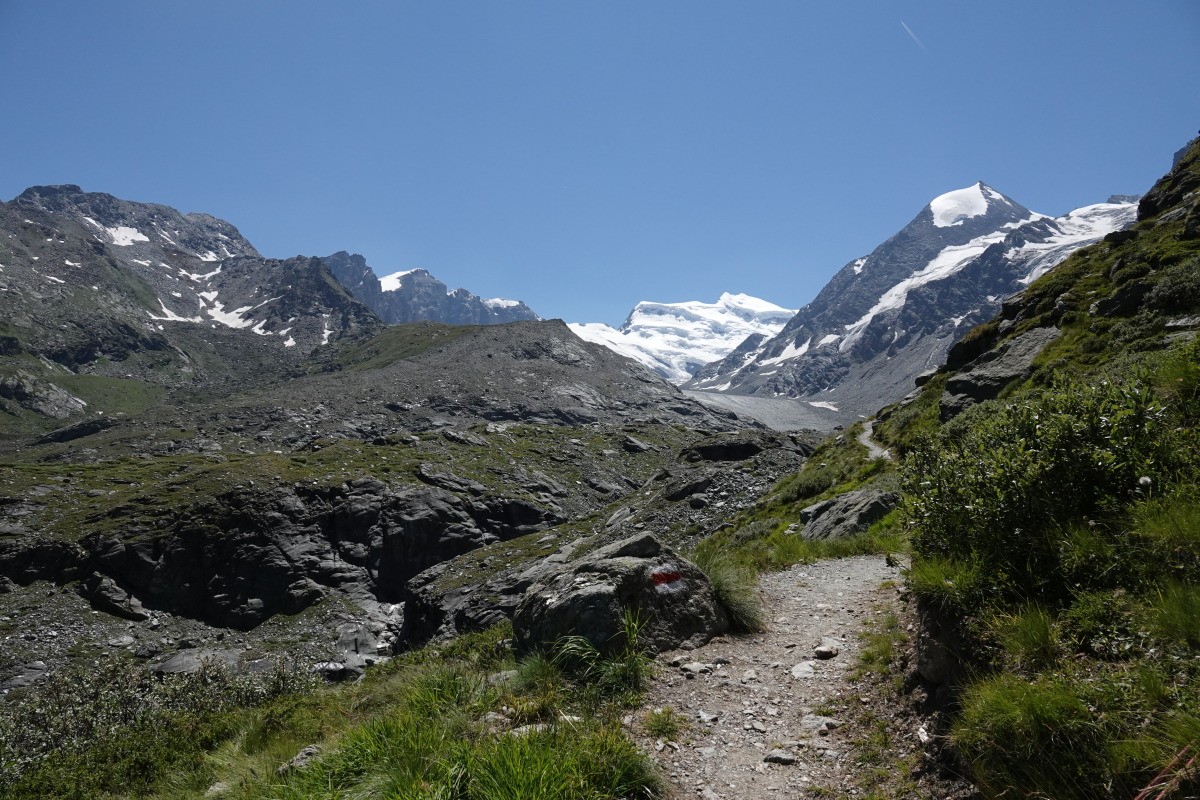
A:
582	156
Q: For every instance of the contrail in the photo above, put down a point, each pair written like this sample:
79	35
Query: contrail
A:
920	44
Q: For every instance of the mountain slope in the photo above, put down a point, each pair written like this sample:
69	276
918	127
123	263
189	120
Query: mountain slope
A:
886	318
416	296
153	267
676	339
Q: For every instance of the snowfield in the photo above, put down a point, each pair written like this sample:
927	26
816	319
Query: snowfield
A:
674	339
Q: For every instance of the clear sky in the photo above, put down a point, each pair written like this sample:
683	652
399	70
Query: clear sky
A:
584	155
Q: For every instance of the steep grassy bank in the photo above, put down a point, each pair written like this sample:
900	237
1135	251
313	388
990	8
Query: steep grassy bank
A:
1056	529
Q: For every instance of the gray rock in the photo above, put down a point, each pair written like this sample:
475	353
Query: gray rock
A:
300	760
191	660
29	674
828	648
588	597
634	445
502	678
847	514
778	756
815	723
985	377
686	487
105	595
803	670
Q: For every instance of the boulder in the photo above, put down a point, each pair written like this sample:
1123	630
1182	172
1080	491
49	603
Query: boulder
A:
728	447
847	514
105	595
588	597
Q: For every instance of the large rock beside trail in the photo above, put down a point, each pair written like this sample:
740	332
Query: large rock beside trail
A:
588	597
847	514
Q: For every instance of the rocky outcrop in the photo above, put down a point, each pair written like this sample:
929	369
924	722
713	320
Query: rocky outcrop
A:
588	597
984	378
847	514
237	559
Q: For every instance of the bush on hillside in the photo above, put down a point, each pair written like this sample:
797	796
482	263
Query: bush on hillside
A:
1010	493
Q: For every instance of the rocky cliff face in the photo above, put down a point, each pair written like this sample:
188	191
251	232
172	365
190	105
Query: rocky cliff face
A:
892	315
416	296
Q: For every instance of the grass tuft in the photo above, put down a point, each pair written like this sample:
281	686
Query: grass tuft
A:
736	589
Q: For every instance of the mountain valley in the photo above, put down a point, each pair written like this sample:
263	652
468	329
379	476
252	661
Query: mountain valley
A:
219	467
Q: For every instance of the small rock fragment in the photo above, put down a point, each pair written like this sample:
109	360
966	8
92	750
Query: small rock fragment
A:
778	756
828	648
803	670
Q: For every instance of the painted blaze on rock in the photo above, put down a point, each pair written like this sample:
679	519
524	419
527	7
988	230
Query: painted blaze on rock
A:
587	597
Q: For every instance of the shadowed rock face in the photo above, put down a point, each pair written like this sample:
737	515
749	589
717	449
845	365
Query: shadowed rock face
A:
237	559
589	597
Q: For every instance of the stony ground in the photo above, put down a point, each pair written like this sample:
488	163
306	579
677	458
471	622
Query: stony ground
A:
775	714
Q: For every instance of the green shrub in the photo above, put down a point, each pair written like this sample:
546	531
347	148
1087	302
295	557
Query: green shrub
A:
1005	493
113	723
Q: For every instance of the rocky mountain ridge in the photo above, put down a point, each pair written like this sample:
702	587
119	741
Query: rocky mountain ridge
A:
415	296
207	447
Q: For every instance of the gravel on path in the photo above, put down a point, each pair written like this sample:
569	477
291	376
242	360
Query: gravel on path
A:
752	706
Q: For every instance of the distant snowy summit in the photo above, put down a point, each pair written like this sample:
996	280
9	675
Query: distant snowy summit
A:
889	316
414	295
676	339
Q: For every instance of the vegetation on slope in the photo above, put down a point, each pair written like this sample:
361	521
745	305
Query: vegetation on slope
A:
463	721
1056	530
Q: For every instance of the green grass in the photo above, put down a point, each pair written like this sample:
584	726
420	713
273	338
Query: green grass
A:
882	640
1037	739
113	395
665	723
397	343
1175	613
1028	637
422	725
736	590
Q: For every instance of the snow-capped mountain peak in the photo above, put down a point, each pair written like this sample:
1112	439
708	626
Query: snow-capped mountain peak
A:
893	314
390	283
953	208
675	339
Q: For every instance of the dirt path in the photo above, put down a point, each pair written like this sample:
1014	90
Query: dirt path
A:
874	451
743	699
